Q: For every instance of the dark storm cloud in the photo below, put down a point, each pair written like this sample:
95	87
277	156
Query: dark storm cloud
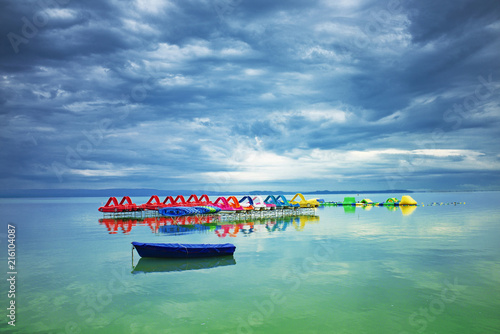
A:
178	93
433	20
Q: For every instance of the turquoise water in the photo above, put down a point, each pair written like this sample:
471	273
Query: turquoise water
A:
433	270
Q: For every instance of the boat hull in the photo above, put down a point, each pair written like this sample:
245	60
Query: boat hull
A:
157	250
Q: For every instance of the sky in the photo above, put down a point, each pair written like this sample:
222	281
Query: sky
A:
243	95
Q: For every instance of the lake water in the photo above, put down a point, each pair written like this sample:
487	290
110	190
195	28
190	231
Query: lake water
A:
433	270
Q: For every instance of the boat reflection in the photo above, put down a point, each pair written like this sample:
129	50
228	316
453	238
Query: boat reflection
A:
221	226
349	209
407	210
154	265
186	229
125	225
246	228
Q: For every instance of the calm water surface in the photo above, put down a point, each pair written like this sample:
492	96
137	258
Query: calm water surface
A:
433	270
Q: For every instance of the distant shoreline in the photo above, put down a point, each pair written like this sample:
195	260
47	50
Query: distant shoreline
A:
22	193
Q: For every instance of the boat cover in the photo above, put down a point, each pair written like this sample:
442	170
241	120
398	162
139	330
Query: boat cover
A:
178	211
182	250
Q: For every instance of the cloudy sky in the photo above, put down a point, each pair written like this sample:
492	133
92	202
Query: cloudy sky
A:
242	95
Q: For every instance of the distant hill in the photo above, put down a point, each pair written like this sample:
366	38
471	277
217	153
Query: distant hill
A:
5	193
394	191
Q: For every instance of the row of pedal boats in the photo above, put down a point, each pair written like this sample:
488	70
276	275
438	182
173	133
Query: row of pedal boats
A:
202	205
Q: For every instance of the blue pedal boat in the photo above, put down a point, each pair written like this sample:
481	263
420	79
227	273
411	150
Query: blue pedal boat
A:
158	250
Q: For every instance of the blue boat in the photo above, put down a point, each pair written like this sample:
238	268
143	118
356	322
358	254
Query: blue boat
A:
158	250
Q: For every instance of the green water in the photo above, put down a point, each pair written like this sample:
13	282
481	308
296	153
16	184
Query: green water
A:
434	270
